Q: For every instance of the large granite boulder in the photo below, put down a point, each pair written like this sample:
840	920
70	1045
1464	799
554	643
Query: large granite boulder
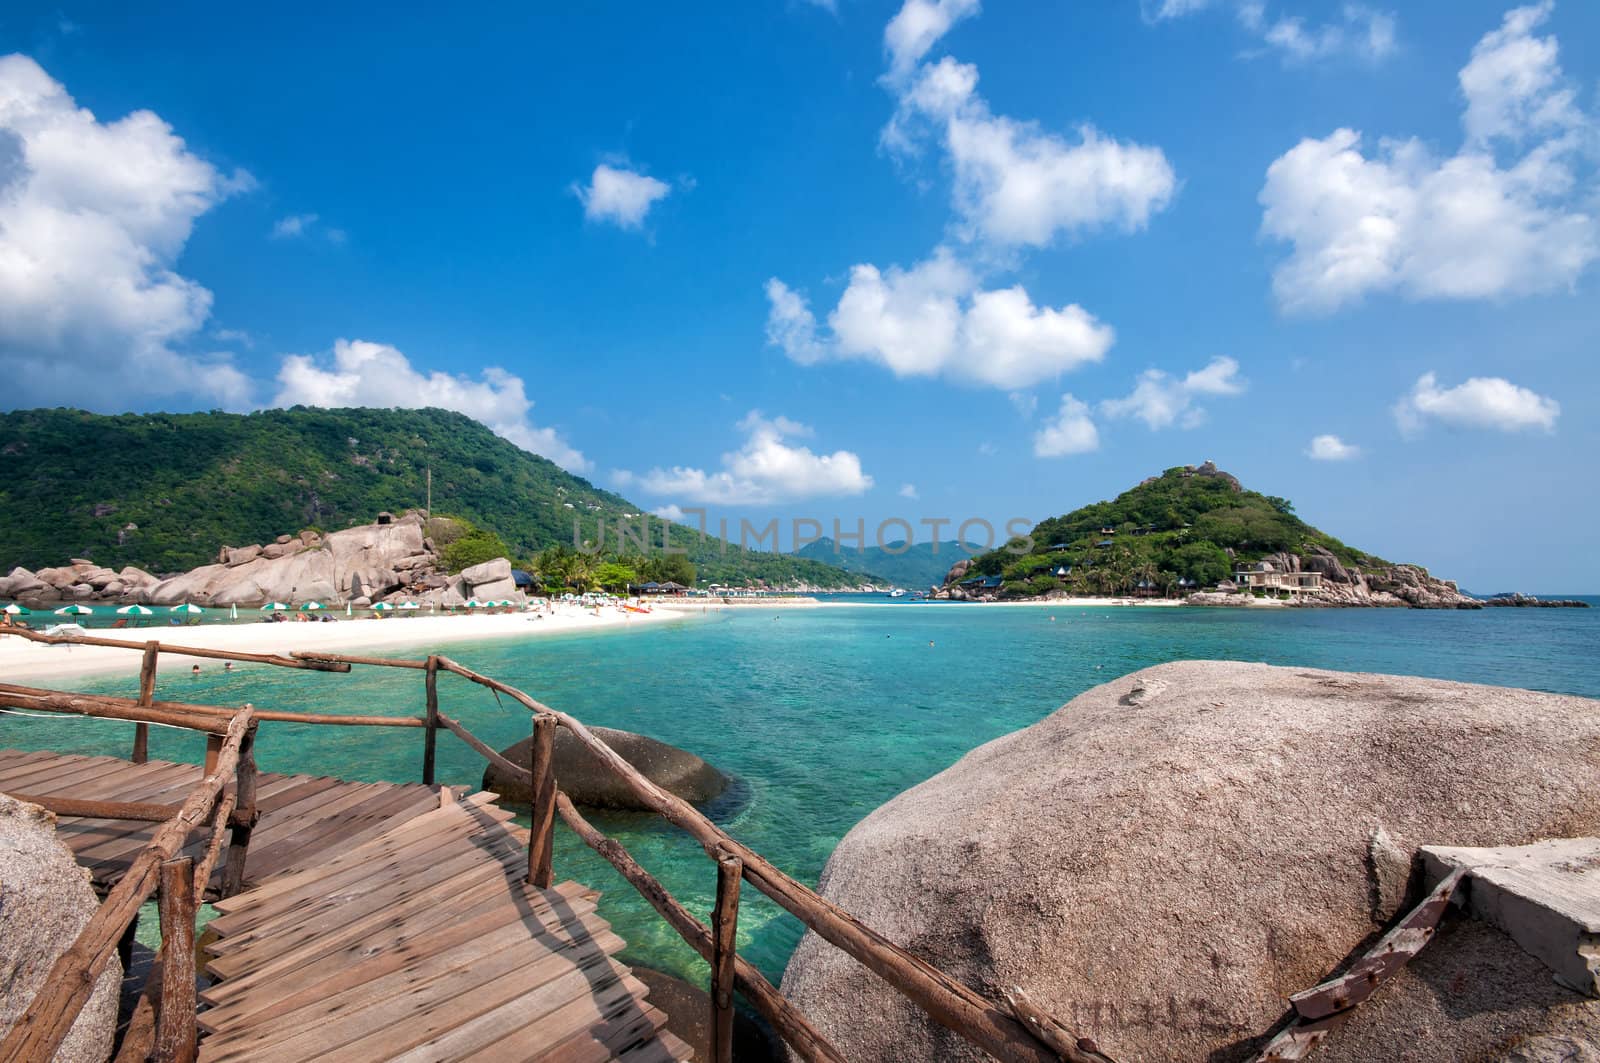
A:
345	564
1164	860
45	901
589	782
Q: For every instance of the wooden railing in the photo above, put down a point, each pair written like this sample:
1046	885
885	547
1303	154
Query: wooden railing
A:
1015	1031
163	1026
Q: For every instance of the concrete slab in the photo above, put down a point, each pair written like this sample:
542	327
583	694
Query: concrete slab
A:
1544	896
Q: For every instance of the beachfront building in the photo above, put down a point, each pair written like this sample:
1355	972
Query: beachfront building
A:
1265	576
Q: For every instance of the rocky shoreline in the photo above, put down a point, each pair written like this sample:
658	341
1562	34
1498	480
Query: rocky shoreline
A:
1348	586
1528	601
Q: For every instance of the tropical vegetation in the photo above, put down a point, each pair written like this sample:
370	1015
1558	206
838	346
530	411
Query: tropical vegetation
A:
166	491
1186	528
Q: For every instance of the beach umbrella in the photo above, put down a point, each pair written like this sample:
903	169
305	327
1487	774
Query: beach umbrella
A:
74	610
17	610
133	610
349	609
187	609
409	605
473	603
274	607
381	607
233	612
310	607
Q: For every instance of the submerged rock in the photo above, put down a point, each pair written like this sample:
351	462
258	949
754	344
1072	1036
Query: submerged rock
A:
688	1010
45	901
589	782
1164	860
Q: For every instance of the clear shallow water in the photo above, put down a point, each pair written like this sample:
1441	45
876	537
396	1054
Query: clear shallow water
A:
821	714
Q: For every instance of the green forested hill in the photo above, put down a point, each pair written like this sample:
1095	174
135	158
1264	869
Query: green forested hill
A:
165	491
1179	525
918	566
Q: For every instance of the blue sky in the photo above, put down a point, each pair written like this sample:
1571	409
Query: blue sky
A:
862	260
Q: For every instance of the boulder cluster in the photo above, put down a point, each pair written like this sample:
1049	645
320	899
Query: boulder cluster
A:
1164	860
1393	585
390	560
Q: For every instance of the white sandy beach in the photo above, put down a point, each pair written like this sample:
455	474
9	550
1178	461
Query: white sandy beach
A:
23	661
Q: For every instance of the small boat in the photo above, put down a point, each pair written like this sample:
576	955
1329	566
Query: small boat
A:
898	592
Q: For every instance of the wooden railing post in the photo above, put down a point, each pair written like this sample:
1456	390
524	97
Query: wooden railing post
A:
176	1030
213	749
541	839
244	816
147	697
428	739
724	951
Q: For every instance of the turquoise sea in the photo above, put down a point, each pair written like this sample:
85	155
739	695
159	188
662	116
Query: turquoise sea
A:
822	714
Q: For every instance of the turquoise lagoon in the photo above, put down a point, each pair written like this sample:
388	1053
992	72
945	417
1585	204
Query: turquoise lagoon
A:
821	714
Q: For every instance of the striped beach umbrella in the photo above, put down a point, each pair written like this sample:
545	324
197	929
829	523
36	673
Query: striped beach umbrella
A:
381	607
473	603
187	609
275	607
74	610
134	610
408	606
17	610
310	607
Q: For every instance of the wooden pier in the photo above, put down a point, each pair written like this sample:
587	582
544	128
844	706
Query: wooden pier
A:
378	921
389	921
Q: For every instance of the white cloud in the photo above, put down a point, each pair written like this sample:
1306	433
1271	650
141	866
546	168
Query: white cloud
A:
303	226
622	197
1161	400
671	512
917	28
1331	448
1513	83
766	470
1158	10
1481	402
94	216
1072	432
1016	184
1361	31
293	225
1464	227
375	374
934	319
909	491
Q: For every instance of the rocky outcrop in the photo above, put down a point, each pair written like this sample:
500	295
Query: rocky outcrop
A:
45	901
1528	601
585	779
1164	860
385	561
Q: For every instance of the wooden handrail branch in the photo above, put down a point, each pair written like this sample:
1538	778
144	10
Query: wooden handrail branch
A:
797	1032
947	1001
41	1028
315	663
212	719
205	718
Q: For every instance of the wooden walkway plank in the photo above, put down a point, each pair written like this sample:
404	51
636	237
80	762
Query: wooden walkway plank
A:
457	941
379	921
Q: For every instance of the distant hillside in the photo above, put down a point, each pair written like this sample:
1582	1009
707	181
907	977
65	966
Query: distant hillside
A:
165	491
1180	525
918	567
